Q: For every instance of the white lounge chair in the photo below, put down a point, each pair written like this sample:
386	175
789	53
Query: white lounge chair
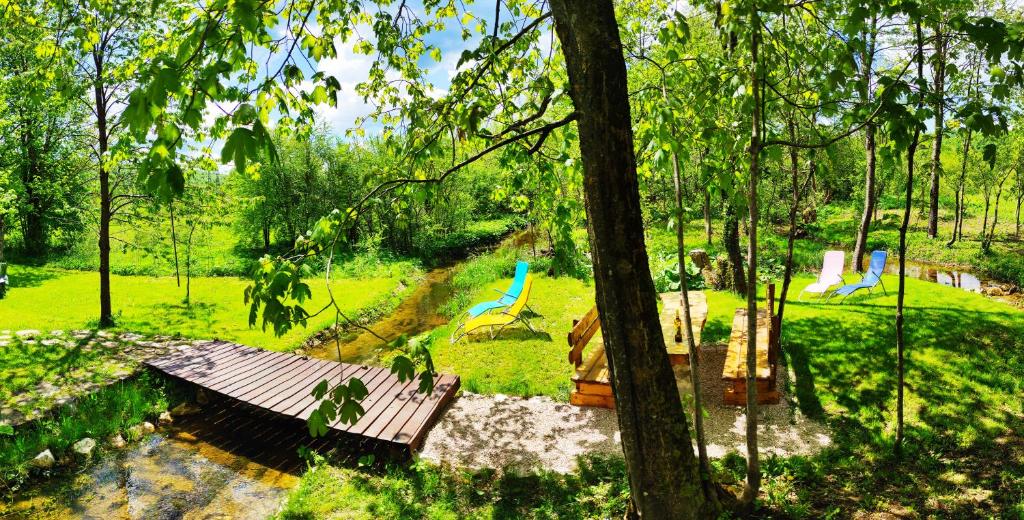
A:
831	274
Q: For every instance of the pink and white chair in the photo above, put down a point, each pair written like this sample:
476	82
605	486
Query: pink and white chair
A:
831	274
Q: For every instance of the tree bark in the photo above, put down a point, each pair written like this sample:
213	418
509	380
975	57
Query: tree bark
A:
753	483
174	243
707	214
663	473
938	106
794	171
908	202
99	92
860	245
731	241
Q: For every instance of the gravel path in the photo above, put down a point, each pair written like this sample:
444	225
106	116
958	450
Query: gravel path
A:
512	432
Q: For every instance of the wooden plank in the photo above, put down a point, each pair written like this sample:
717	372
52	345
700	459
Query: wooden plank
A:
282	383
599	401
283	372
416	427
698	318
287	402
232	376
736	358
232	356
392	398
189	358
347	372
255	360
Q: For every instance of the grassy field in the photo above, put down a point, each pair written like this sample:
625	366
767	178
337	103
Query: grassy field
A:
47	298
598	490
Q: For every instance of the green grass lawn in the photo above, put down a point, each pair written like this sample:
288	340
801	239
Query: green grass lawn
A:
47	298
518	361
598	490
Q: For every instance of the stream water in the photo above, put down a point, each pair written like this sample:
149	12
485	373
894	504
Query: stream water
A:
953	277
221	463
418	313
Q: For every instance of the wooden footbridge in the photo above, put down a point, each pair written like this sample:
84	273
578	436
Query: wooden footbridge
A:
396	413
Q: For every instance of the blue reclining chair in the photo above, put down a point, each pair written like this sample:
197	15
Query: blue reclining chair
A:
507	297
870	279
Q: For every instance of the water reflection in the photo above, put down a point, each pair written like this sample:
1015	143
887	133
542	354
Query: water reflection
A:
418	313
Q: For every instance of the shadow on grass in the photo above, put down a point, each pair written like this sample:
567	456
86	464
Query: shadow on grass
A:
20	277
964	378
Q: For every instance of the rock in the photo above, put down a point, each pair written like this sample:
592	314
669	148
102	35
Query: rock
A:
27	334
299	352
165	419
84	448
116	441
57	332
140	430
202	397
44	460
182	410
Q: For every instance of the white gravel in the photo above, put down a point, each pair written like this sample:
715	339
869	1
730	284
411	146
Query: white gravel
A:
515	433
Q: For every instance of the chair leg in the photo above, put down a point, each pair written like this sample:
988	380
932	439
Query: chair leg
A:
883	286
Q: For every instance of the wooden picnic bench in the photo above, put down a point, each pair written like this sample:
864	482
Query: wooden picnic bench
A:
591	380
734	373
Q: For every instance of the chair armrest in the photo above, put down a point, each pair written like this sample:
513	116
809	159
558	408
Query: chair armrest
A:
503	293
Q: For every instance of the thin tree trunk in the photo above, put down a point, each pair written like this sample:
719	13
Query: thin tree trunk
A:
1016	231
3	233
794	170
860	245
684	293
958	218
753	483
984	222
106	312
900	345
938	106
664	477
987	243
174	243
707	214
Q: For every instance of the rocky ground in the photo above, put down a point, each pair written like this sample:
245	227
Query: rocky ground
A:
513	432
111	358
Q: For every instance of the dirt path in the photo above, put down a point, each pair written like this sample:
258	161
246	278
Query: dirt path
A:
503	432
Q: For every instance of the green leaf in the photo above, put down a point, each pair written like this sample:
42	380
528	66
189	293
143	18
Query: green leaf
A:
403	368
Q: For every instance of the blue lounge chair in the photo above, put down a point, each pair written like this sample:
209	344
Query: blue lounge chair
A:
870	279
507	297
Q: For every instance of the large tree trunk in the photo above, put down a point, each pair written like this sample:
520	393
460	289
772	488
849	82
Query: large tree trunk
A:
908	203
753	483
731	241
106	312
663	473
860	245
938	106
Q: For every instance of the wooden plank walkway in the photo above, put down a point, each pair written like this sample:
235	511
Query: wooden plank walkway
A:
282	383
